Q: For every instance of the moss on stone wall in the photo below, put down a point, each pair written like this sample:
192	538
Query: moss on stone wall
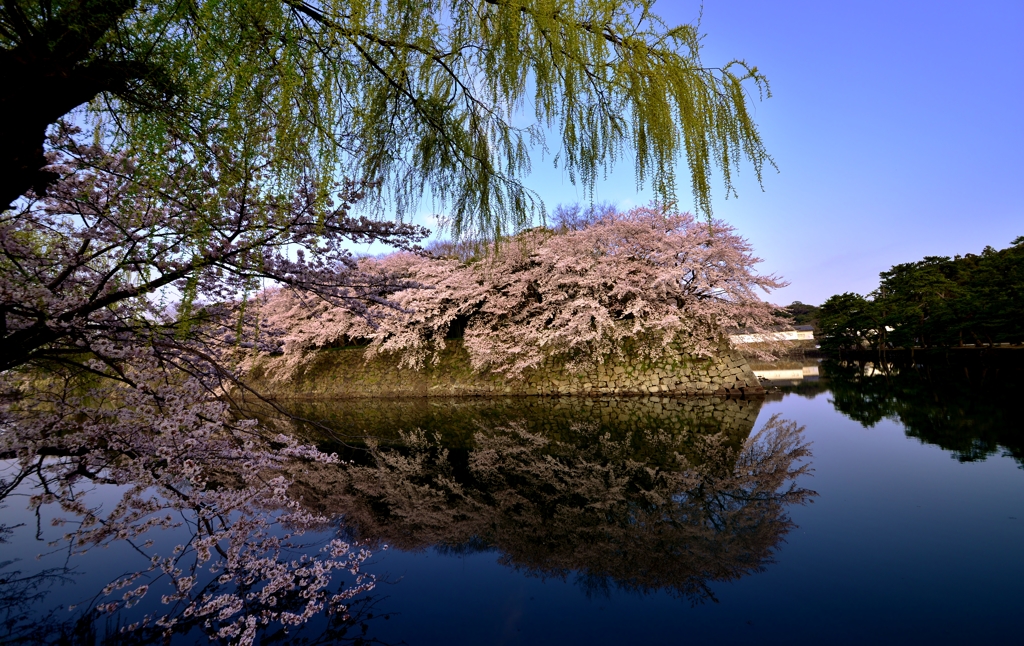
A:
345	372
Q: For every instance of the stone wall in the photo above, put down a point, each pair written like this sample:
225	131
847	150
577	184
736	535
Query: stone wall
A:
345	372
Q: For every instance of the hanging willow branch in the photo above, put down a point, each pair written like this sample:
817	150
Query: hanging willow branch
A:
443	99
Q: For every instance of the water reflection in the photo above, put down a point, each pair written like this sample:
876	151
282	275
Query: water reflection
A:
457	420
191	502
787	372
968	409
640	494
210	562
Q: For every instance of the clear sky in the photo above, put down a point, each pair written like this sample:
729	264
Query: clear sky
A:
897	126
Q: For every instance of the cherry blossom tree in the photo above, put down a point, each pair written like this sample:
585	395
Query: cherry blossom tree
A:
646	279
125	306
91	260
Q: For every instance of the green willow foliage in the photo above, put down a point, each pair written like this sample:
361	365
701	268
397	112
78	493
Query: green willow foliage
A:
436	98
935	302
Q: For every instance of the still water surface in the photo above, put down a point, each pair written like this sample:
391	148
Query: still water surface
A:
574	522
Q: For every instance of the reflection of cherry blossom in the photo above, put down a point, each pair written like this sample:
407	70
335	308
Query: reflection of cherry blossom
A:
587	506
185	464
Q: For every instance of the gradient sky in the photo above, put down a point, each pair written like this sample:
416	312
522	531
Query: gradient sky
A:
897	128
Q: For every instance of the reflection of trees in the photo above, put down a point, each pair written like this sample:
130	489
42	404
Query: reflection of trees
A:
170	458
457	420
710	512
23	622
20	595
970	410
248	557
808	389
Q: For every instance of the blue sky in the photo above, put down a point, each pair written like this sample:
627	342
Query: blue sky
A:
897	128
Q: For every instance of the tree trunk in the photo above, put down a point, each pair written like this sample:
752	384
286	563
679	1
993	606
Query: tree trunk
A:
51	71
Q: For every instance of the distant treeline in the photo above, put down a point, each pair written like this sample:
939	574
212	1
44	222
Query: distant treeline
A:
938	302
801	314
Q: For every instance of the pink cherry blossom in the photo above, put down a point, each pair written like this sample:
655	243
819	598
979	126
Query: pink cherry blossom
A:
642	280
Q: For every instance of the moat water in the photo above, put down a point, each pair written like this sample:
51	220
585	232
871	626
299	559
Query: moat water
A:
859	503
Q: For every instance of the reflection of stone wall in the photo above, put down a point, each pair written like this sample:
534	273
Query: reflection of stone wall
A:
456	420
346	373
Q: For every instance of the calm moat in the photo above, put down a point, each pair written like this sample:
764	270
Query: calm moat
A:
857	503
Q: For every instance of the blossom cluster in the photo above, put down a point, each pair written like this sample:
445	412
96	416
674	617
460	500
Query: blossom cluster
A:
651	276
111	254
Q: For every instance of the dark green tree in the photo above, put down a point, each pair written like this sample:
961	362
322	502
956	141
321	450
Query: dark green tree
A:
916	298
995	294
848	321
937	302
802	313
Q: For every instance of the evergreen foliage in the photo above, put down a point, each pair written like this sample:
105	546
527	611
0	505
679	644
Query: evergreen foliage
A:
937	302
802	313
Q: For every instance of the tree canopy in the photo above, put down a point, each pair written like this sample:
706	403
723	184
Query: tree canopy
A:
934	302
621	283
802	313
91	263
437	98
